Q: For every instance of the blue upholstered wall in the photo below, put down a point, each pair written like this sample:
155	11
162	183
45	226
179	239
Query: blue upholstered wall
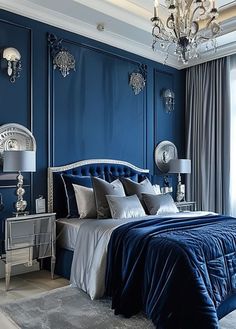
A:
92	113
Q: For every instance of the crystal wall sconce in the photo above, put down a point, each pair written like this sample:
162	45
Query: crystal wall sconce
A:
137	79
169	100
13	57
62	58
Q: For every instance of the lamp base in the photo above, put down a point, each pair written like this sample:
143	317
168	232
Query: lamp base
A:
20	213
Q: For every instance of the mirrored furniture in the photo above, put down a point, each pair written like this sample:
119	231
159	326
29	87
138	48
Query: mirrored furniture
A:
29	238
186	206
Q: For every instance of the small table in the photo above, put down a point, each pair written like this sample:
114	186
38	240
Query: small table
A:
28	238
186	206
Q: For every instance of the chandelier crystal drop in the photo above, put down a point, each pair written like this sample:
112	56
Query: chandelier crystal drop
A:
189	25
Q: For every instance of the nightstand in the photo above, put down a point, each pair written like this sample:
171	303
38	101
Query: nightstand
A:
28	238
186	206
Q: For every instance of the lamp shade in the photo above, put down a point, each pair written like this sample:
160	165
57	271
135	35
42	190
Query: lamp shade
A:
180	166
19	161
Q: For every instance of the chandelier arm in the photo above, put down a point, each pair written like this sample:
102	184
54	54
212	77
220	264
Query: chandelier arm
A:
194	12
210	21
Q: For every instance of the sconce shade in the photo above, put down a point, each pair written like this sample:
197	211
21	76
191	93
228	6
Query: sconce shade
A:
19	161
11	54
180	166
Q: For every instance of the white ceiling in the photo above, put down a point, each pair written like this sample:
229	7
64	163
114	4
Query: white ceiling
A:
126	23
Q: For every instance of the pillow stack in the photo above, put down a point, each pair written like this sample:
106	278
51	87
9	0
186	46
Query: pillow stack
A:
93	197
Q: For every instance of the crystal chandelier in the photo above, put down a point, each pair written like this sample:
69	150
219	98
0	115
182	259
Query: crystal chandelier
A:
190	23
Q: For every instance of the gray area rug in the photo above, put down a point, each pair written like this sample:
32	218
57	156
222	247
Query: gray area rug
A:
70	308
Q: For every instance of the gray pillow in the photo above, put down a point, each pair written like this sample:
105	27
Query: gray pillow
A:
125	206
85	201
132	187
159	204
101	189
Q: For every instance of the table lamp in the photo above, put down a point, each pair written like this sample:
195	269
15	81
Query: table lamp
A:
180	166
19	161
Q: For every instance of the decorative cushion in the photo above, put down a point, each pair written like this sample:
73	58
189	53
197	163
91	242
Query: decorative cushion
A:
132	188
101	189
125	206
68	180
160	204
85	201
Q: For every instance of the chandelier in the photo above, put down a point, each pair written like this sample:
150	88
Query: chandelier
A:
190	24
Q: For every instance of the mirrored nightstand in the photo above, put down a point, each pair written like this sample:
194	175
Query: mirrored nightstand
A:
28	238
186	206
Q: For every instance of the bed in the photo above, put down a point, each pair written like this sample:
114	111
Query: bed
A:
179	269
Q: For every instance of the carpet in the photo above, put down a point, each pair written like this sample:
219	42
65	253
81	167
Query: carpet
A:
70	308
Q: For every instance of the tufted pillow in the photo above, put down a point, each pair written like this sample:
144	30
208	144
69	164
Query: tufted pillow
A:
125	206
101	189
68	180
85	201
159	204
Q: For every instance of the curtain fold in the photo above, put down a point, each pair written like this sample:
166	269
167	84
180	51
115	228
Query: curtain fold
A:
208	134
232	199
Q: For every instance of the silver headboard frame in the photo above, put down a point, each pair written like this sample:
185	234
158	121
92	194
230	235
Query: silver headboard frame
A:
77	164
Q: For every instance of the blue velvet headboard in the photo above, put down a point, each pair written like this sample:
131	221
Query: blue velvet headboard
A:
95	167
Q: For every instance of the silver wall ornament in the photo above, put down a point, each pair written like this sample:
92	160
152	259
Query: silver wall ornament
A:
137	79
62	58
169	100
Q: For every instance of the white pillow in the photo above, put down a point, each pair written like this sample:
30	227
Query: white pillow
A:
85	201
125	206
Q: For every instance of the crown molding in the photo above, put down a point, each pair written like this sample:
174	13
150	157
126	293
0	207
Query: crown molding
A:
55	18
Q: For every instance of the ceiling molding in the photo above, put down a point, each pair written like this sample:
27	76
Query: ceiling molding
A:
116	16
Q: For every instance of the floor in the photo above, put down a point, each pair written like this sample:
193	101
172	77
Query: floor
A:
29	284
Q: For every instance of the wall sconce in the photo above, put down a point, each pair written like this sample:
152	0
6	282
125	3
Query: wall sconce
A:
169	100
62	58
13	56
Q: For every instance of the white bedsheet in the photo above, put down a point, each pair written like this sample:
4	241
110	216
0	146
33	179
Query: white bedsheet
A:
89	261
67	231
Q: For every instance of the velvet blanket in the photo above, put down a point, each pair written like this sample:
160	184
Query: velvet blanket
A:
178	271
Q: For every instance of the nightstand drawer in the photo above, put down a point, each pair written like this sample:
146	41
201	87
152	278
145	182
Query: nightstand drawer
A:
19	256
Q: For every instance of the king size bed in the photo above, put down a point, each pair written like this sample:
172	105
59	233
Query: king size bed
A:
178	268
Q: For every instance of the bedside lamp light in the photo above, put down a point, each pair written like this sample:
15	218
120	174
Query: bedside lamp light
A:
180	166
19	161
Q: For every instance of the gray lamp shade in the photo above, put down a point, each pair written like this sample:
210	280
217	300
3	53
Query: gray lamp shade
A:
180	166
19	161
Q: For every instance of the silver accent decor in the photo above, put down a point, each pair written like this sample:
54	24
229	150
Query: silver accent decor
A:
14	136
190	25
164	152
19	161
62	58
12	56
77	164
64	61
169	100
137	79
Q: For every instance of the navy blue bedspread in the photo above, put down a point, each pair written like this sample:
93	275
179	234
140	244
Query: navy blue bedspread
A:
178	271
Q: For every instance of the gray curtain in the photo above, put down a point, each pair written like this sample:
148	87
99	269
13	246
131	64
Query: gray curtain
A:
208	134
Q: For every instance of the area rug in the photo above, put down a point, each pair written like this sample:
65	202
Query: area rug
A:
70	308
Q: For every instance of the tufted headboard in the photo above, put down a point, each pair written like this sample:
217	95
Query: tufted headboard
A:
95	167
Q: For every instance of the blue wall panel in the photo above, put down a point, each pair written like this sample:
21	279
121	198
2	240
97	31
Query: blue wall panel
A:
93	112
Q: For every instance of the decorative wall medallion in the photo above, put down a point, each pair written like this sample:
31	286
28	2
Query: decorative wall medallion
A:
14	136
137	79
62	58
164	152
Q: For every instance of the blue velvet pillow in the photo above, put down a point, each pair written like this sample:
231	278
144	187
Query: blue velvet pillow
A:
68	180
